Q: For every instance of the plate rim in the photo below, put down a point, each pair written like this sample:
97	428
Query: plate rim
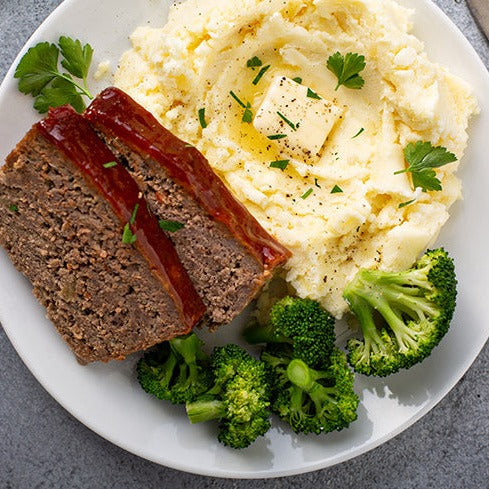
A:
434	400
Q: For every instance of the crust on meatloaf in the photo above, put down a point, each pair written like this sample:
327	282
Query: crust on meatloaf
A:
64	236
226	252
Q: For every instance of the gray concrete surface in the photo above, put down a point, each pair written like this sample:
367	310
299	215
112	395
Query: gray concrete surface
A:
42	446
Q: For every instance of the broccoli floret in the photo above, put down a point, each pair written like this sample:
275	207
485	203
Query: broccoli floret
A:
311	380
310	400
176	370
304	324
417	306
239	398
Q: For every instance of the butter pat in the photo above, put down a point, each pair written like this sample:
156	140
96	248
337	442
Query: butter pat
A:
295	111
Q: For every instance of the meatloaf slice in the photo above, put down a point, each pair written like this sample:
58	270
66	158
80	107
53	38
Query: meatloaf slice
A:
62	219
226	252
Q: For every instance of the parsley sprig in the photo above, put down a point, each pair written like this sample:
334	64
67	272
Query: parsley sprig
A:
347	69
288	122
312	94
254	62
170	226
260	74
128	237
274	137
422	157
202	121
247	114
40	76
282	164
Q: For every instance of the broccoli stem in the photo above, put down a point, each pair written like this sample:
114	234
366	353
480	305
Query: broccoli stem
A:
167	370
189	347
405	336
391	300
205	410
412	277
300	375
256	333
305	379
414	306
363	311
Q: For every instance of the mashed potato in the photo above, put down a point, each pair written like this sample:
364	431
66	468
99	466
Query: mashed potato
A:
201	55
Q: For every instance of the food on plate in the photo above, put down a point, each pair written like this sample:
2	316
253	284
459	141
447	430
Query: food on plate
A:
98	296
213	76
76	225
320	122
226	253
416	305
312	400
39	74
177	370
239	397
302	376
106	298
347	69
302	323
312	384
229	385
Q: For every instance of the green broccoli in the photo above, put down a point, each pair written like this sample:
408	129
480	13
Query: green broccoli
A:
304	324
239	398
417	306
176	370
309	400
312	382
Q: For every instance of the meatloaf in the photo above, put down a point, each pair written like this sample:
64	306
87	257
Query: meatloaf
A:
226	252
65	204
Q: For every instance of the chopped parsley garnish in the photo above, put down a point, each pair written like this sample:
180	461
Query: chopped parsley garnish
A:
128	237
254	62
277	136
336	190
312	94
132	220
170	226
306	194
110	164
358	133
247	114
422	157
404	204
240	102
297	79
39	75
202	120
316	183
282	164
260	74
347	69
289	123
13	208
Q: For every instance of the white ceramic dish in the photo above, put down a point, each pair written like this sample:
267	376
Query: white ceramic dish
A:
108	399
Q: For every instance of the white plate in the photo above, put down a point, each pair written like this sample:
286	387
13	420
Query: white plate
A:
108	399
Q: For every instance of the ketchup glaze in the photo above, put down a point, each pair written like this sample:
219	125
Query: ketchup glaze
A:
117	113
75	138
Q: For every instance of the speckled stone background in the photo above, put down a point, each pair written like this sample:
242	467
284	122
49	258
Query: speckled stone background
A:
42	446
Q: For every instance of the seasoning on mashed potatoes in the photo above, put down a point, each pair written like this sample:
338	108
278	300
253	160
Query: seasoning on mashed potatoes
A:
201	55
